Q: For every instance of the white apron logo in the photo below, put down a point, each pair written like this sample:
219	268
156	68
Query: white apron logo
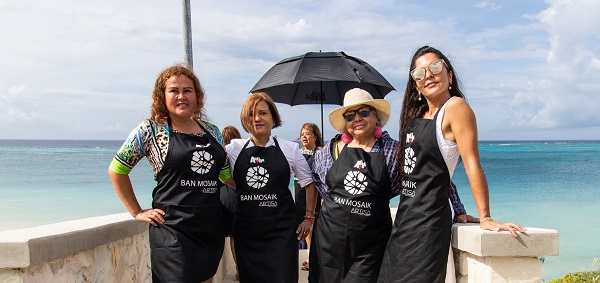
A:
409	160
257	177
410	137
202	162
355	182
360	164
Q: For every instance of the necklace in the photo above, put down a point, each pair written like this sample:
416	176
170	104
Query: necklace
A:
308	151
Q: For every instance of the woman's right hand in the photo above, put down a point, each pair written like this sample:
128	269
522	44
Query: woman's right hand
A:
493	225
153	215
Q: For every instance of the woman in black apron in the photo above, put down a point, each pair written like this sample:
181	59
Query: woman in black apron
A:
311	141
421	237
188	246
265	230
187	232
354	223
418	247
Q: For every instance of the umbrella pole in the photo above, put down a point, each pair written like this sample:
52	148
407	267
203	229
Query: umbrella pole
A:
322	128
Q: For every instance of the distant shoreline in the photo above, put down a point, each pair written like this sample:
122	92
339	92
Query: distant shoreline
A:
481	141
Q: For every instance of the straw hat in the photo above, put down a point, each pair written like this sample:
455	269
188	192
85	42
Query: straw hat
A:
354	97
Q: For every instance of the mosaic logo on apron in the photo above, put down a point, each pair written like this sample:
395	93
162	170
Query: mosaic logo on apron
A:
410	160
202	161
257	177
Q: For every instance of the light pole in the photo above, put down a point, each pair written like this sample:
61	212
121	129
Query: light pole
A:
187	33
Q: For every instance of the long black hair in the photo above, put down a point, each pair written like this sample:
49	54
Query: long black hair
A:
412	107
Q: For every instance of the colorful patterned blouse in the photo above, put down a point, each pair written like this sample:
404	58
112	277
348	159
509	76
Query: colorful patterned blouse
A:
150	139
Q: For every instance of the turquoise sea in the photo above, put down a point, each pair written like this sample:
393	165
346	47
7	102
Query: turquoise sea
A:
544	184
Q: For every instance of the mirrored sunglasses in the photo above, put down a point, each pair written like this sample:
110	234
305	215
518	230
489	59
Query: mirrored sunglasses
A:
435	68
363	112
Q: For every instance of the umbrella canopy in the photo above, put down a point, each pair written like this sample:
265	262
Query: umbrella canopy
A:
320	78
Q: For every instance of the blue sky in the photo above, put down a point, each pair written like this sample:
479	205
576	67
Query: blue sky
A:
85	70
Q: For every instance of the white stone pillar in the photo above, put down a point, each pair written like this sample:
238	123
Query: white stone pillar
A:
486	256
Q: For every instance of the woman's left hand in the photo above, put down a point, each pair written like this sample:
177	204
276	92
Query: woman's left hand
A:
304	229
494	225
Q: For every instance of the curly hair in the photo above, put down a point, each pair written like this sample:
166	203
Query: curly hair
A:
159	110
247	114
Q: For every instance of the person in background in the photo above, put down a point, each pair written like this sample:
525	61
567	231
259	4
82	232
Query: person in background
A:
311	141
437	128
228	195
186	228
265	230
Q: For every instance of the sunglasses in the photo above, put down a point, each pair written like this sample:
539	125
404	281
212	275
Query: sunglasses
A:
363	112
435	68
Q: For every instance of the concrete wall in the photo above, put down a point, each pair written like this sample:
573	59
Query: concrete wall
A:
111	248
115	248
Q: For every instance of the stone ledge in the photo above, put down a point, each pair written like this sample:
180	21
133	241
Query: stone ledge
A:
31	246
534	242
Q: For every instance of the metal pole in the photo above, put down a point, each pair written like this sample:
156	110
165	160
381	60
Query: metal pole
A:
322	128
187	33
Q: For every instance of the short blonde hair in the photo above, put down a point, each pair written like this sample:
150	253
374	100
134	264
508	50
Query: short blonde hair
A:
247	114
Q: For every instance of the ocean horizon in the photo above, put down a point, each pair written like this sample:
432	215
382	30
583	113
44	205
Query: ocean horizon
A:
537	183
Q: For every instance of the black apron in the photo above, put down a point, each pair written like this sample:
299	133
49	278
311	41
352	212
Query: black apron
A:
266	244
354	223
189	245
418	247
228	198
300	192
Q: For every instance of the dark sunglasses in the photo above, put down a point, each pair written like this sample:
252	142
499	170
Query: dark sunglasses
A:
435	68
363	112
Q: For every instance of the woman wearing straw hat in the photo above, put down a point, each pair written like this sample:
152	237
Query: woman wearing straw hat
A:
355	175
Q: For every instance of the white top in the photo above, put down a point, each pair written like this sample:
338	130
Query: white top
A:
448	148
291	150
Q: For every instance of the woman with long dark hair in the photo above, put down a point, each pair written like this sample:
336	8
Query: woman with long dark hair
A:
437	128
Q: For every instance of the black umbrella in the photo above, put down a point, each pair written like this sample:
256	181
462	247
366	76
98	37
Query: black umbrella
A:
320	78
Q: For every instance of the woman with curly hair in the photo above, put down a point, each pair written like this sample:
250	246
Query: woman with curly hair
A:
186	151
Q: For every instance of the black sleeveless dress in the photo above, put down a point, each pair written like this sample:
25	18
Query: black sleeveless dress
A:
418	247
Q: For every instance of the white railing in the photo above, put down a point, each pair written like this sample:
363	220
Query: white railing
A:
114	248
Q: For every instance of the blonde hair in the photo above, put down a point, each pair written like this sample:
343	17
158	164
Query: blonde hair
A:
247	114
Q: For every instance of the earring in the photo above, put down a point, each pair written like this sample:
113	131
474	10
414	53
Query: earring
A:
347	138
419	96
377	132
450	87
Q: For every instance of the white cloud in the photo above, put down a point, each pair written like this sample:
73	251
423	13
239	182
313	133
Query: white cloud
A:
14	105
488	5
95	63
564	95
16	90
